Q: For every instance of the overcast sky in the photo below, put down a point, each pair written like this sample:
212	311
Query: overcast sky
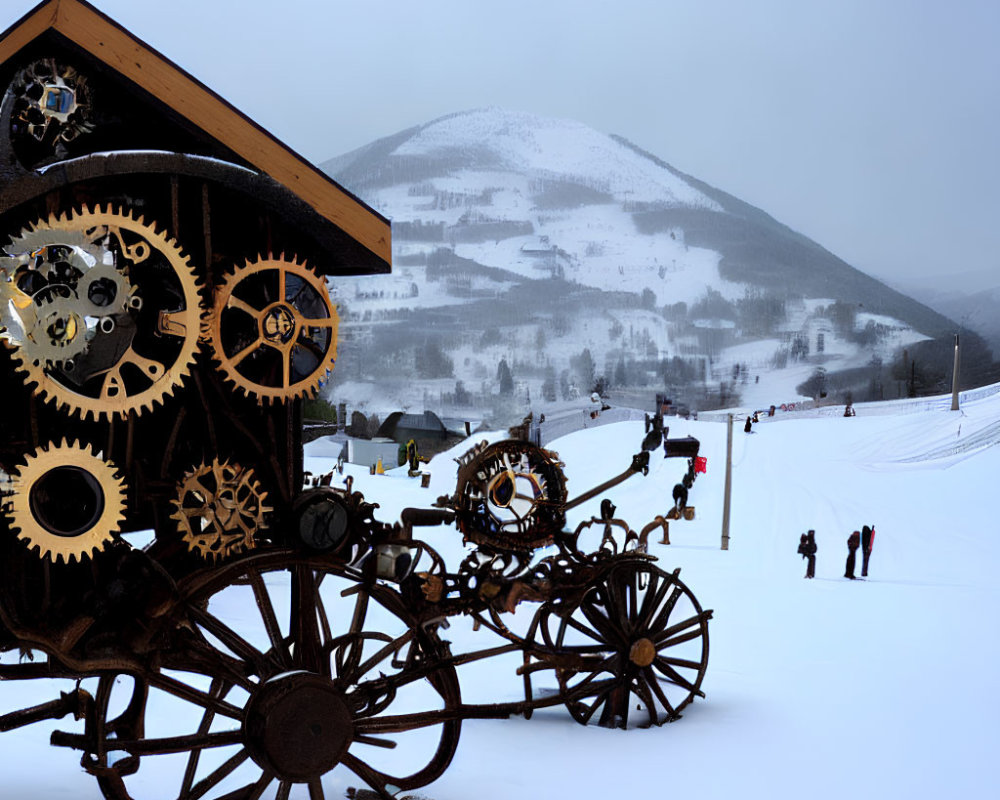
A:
871	126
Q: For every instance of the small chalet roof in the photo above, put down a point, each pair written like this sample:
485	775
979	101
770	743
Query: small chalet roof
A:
104	39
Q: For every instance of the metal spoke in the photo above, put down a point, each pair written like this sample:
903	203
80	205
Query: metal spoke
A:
231	639
176	744
600	699
681	662
374	741
203	655
642	689
674	676
218	775
604	625
252	791
666	637
305	634
217	690
666	610
398	723
652	601
393	646
370	776
616	706
316	790
192	695
270	618
654	683
632	590
579	626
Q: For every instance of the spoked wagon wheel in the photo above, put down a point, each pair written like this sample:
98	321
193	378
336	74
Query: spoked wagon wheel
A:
636	640
286	678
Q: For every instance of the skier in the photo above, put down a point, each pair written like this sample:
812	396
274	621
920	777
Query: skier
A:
746	428
867	540
853	543
807	547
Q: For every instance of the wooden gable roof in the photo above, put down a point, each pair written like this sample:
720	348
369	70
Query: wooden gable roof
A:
104	39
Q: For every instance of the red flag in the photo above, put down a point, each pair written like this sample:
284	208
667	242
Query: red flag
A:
701	464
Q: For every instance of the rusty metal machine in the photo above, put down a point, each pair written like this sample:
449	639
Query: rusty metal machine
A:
234	633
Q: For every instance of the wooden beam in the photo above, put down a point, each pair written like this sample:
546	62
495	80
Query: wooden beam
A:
29	27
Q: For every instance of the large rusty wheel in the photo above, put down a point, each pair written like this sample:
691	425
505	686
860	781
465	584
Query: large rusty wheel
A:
287	678
636	640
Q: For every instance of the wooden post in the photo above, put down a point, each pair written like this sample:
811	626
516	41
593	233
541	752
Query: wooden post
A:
729	483
954	379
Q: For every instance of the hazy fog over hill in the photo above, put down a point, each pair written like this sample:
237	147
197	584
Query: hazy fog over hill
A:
546	238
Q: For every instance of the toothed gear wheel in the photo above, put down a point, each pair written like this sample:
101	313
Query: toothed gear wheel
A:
58	333
68	503
274	329
34	270
219	508
510	496
51	103
137	294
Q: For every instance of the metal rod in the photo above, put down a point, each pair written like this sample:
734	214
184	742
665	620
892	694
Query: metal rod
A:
67	703
729	482
639	461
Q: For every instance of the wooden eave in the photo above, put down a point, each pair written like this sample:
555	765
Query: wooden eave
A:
111	44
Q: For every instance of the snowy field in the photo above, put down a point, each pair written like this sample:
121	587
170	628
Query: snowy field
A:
827	688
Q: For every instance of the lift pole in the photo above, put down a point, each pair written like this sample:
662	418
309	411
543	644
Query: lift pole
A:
954	379
729	482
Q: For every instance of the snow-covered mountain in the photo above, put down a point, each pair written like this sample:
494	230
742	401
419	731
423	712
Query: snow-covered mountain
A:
974	310
546	238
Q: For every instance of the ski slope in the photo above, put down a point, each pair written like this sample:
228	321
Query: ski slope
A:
826	688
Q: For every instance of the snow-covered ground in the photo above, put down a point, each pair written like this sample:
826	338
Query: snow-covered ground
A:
823	689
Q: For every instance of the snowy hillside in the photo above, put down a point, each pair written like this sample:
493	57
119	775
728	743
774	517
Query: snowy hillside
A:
828	688
546	237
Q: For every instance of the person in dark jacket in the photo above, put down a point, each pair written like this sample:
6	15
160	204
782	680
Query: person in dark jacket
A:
746	428
853	543
680	496
867	540
807	547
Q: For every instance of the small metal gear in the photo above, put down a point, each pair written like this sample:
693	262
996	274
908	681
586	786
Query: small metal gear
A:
219	508
51	102
35	269
57	334
139	295
274	329
105	290
68	503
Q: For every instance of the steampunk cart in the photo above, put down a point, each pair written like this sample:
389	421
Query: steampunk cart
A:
234	634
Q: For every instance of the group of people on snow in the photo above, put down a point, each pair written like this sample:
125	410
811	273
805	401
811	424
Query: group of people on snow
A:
865	539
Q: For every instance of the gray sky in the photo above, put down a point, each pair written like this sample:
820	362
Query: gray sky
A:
871	126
